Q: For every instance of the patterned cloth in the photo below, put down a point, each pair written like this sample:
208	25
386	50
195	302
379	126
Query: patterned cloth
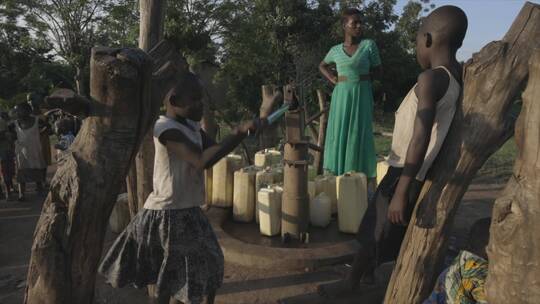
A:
176	249
462	282
65	141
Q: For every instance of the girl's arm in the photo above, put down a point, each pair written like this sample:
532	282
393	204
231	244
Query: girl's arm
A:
178	144
327	72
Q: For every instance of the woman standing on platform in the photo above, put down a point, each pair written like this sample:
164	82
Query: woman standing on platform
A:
349	137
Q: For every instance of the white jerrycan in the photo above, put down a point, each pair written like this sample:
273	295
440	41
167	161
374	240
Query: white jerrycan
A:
270	210
244	197
223	180
327	184
352	201
320	210
263	178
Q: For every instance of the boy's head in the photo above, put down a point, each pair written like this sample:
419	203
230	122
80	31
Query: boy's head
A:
23	110
351	20
185	98
443	29
479	237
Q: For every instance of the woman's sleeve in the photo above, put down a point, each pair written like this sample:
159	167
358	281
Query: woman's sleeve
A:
374	57
329	58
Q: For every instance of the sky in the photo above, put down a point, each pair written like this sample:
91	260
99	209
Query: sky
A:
488	20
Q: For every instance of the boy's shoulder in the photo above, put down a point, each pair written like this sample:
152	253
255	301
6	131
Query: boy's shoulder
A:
433	83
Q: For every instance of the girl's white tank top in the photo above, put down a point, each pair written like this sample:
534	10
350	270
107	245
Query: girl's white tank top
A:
177	184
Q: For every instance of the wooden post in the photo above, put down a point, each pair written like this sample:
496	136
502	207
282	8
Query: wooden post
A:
483	123
139	179
514	247
323	122
69	235
269	137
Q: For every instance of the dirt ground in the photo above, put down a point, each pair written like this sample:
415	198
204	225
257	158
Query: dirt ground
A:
242	285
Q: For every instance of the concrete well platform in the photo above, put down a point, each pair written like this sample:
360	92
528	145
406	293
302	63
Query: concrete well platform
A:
242	244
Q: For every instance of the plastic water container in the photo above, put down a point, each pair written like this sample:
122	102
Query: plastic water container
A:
382	168
352	201
267	157
244	197
320	210
263	178
327	184
223	180
270	210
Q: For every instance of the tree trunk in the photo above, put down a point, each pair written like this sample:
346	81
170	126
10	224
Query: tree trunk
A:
514	247
152	14
69	236
483	122
323	121
139	180
269	137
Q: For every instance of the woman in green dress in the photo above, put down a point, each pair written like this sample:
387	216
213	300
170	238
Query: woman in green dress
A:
349	136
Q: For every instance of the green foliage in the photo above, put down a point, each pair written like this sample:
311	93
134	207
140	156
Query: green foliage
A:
120	26
192	25
25	61
254	42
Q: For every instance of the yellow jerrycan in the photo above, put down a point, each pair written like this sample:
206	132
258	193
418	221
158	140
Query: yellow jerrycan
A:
270	210
352	201
382	168
244	197
223	180
267	157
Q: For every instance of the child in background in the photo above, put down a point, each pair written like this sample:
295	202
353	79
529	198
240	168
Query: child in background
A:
31	166
7	163
422	122
463	282
170	242
65	135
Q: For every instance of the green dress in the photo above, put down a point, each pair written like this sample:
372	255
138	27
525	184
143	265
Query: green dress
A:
349	136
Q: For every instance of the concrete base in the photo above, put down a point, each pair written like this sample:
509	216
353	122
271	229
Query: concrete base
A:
249	249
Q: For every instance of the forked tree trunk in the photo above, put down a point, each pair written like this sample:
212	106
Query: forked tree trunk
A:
483	122
69	235
514	247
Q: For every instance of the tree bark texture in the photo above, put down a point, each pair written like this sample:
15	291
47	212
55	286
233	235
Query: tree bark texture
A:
152	14
323	122
69	235
139	180
514	247
484	121
269	137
